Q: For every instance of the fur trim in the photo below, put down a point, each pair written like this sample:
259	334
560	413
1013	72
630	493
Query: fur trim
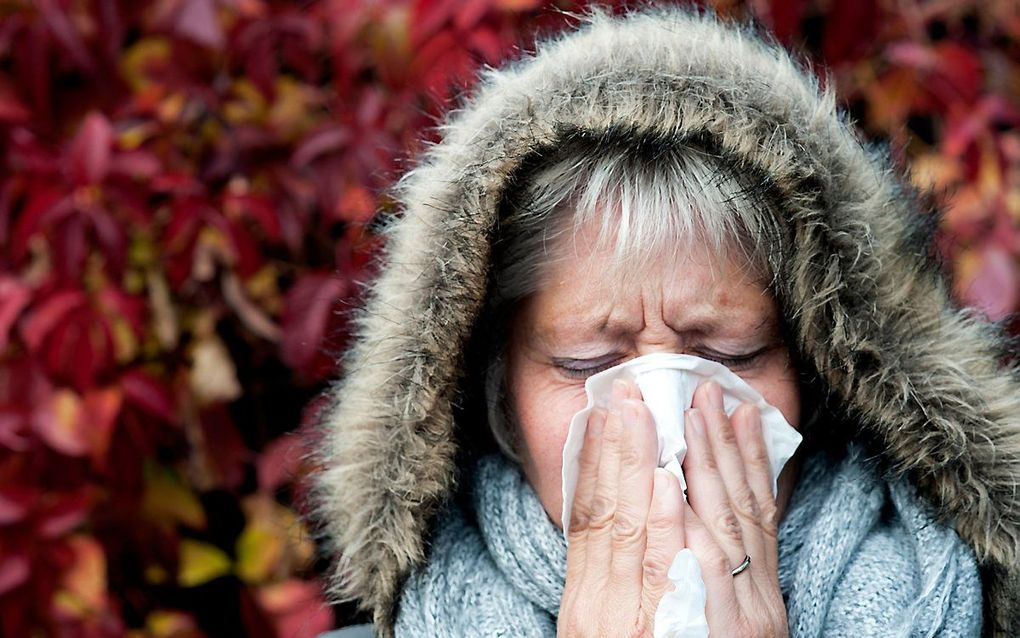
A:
868	310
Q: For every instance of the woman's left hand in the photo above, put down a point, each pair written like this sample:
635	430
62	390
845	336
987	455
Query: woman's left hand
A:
731	513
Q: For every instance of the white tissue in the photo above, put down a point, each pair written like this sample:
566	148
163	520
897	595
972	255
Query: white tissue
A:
667	383
681	612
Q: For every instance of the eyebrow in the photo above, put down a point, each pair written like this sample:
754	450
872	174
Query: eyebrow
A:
707	323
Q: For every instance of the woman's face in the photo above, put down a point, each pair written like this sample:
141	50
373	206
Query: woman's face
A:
581	322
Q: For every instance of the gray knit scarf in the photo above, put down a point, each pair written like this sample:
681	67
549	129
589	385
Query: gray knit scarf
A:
858	556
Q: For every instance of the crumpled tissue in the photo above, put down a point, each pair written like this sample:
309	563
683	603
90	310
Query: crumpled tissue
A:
667	383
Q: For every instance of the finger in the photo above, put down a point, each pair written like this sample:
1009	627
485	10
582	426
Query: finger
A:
665	537
722	606
723	443
598	553
751	440
633	391
634	496
706	491
584	494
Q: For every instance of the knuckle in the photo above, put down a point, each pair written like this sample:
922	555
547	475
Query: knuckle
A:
655	570
627	533
759	463
729	526
707	460
746	505
580	519
769	517
660	523
725	432
718	563
630	457
601	514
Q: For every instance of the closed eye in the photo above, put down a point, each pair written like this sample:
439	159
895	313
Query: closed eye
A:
584	368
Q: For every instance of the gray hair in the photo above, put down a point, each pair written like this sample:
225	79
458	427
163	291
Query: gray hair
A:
646	201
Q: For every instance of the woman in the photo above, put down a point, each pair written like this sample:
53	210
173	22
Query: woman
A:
663	182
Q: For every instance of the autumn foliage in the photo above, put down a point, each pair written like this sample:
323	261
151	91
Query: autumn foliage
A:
185	197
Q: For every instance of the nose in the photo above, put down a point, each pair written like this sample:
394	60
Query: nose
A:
658	338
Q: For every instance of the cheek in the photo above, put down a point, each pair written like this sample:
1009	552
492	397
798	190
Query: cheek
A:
543	413
781	388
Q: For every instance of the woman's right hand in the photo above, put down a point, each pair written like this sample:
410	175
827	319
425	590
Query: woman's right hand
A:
626	524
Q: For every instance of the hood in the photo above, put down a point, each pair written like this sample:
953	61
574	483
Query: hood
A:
867	308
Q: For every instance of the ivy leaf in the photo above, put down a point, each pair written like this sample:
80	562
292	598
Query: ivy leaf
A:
14	570
91	149
146	392
14	297
307	311
200	563
197	21
297	608
989	281
84	585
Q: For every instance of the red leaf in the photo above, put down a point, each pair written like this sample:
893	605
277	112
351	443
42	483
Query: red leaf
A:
139	165
297	608
14	296
994	287
307	309
12	109
42	319
60	424
145	392
64	513
15	503
42	205
14	570
470	13
279	462
102	407
849	29
785	18
318	143
64	32
429	16
227	453
91	149
197	21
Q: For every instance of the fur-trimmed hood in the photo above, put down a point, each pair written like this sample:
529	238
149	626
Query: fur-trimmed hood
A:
867	309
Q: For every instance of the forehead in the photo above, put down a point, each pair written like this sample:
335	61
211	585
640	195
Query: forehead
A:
691	287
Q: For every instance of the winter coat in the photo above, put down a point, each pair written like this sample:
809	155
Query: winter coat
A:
918	379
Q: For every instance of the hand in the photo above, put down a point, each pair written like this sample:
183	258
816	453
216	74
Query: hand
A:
730	513
626	524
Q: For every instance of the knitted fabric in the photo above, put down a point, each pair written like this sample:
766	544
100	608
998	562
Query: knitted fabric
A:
858	556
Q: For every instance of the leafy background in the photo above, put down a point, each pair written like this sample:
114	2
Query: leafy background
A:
185	193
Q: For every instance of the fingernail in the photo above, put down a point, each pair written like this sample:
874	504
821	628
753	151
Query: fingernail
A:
619	392
754	416
695	422
714	394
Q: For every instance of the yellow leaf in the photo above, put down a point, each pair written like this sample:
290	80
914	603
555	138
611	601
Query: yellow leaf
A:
200	562
169	502
273	544
136	59
61	424
258	552
83	585
170	624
